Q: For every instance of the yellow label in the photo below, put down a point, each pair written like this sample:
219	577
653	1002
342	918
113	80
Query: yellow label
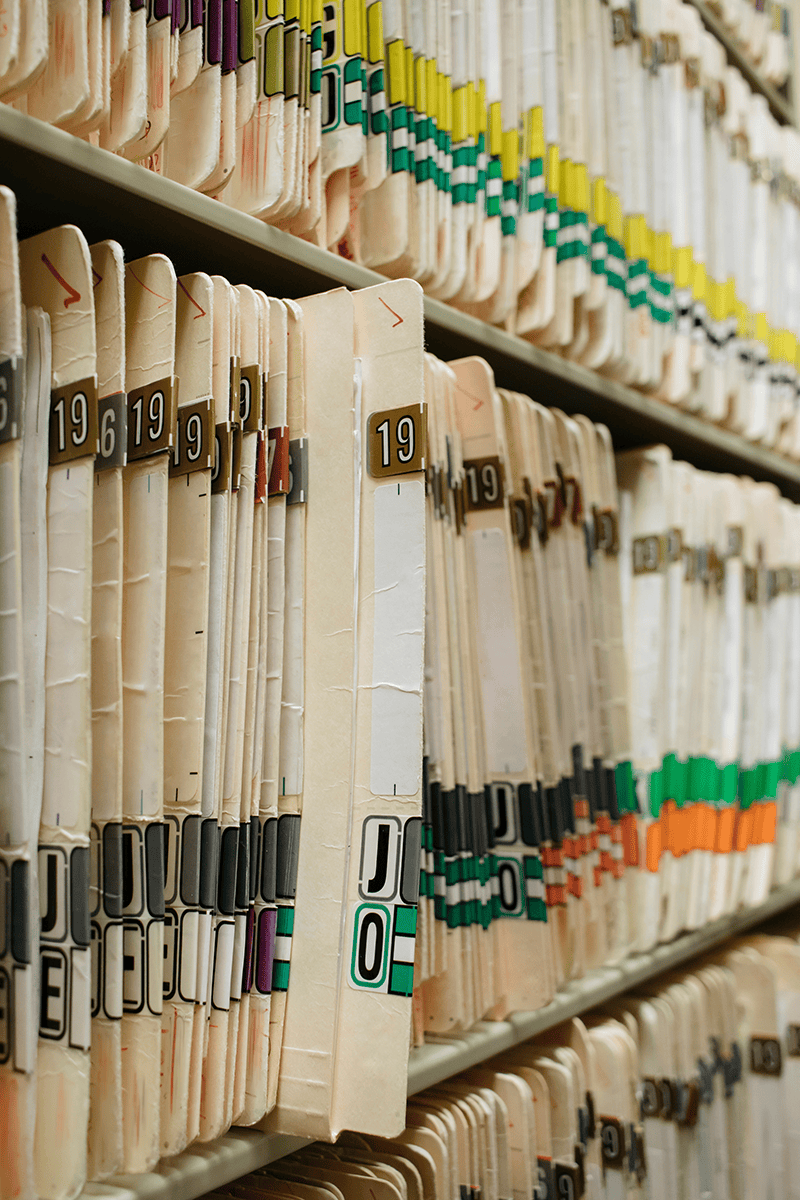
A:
396	72
743	321
480	107
374	31
275	9
431	89
730	297
273	57
565	183
305	15
316	15
421	84
291	11
495	128
699	280
446	103
789	346
551	170
351	19
615	216
535	121
635	237
580	188
761	329
472	115
510	157
662	253
410	88
599	201
460	120
682	266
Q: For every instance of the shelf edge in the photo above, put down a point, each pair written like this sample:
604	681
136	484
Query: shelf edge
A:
436	1061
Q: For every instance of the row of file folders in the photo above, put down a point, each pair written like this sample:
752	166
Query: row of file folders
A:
595	178
686	1088
346	697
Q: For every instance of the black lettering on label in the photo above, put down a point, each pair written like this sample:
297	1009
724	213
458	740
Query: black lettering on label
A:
288	852
53	994
504	813
50	912
371	940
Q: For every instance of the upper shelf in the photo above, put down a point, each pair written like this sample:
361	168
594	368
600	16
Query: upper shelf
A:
59	179
782	110
203	1168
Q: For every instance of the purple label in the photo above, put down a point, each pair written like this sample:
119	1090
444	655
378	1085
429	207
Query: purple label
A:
213	46
196	7
265	949
230	34
162	9
106	8
247	973
136	5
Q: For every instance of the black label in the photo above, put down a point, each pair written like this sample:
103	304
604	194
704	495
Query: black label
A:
765	1056
298	471
613	1143
12	389
287	856
112	428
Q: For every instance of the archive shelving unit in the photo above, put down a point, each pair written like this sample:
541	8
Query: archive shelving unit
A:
59	179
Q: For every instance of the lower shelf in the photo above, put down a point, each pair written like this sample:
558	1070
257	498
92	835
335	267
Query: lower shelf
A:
205	1167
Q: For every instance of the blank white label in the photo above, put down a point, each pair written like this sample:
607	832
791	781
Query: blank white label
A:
399	621
498	655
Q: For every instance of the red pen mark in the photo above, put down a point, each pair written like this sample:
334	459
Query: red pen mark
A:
201	312
166	299
73	296
97	278
399	320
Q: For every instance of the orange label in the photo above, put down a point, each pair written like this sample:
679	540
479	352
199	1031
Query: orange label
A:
707	827
630	839
655	836
744	828
766	823
726	825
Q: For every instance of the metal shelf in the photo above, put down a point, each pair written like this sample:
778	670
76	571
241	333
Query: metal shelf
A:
58	179
203	1168
442	1057
782	110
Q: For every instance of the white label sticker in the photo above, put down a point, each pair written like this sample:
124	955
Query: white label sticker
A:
399	620
501	682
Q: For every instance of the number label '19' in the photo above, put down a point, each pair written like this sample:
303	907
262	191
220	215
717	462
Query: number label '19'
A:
151	419
484	483
193	450
397	441
73	421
